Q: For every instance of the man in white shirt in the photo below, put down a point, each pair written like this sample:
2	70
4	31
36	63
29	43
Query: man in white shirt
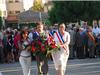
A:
95	29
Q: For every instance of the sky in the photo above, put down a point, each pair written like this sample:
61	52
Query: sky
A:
28	4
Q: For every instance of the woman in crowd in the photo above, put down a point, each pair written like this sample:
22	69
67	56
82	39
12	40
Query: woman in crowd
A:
60	57
10	55
25	53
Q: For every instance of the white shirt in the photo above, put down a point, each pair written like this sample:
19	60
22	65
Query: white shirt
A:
96	31
25	52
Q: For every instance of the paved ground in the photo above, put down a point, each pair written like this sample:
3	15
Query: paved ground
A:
75	67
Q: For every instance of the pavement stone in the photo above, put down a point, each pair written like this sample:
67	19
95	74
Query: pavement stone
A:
75	67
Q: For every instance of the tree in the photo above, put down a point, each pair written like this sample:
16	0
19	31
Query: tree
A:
38	6
72	11
0	20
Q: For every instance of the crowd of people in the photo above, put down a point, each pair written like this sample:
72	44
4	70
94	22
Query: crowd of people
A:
85	42
76	42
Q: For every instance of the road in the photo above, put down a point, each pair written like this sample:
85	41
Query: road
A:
75	67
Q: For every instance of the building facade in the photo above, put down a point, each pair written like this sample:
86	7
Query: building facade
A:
14	7
10	9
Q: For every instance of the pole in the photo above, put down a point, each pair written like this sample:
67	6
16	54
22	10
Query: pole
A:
18	22
3	21
40	16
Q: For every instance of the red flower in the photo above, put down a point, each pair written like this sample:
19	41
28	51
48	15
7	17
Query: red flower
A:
54	46
50	39
39	43
46	42
33	49
42	48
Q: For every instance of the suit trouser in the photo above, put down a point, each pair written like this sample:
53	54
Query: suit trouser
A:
72	54
25	64
1	55
42	65
80	52
92	51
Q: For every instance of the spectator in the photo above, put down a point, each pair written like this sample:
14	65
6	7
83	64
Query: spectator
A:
91	43
1	47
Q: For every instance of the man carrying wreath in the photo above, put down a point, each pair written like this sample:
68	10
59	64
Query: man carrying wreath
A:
39	49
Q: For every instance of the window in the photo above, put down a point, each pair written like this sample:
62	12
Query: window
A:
11	12
5	13
16	1
10	1
17	12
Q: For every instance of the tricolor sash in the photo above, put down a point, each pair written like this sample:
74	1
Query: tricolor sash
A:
35	35
51	34
50	37
38	35
60	38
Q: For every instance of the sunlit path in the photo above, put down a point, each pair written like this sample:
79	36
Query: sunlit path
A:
75	67
0	73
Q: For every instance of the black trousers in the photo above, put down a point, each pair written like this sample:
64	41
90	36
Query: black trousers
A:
42	65
1	55
80	52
